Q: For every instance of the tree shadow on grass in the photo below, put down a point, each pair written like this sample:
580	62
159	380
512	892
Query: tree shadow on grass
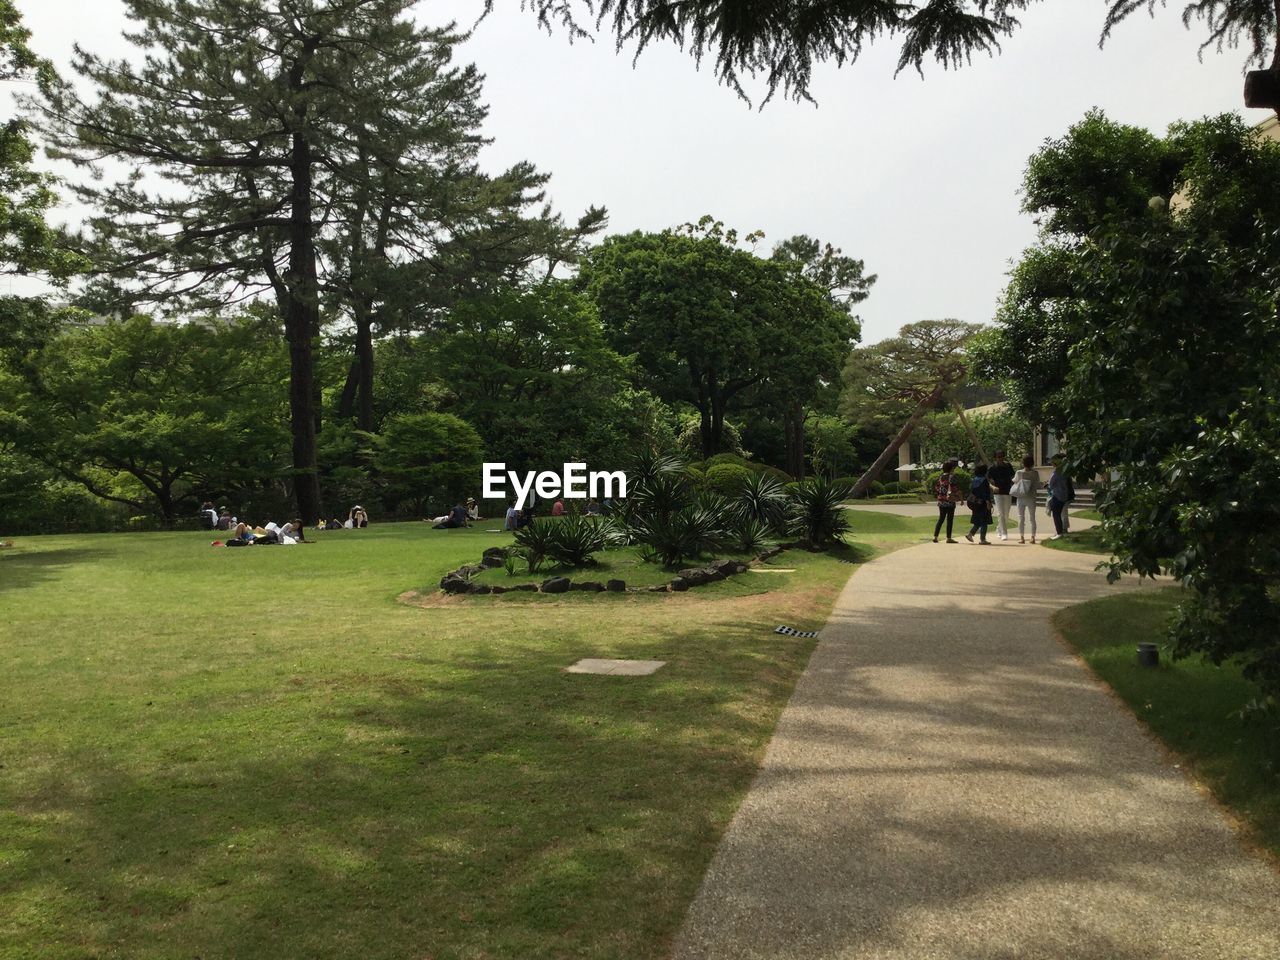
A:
21	568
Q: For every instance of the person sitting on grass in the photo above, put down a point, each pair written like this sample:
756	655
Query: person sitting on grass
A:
593	507
557	508
457	518
473	509
225	520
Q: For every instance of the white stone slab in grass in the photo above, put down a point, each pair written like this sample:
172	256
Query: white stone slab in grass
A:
771	570
617	668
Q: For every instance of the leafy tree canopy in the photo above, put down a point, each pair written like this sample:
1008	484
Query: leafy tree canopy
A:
782	41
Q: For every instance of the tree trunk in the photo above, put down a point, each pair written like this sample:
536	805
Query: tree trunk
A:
347	401
794	424
882	461
302	320
973	436
717	426
364	361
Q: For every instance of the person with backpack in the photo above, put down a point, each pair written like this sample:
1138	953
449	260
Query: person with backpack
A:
947	489
1061	492
1026	482
980	502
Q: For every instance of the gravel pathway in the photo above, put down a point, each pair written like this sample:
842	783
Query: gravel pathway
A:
948	782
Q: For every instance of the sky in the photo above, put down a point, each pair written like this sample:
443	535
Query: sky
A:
918	177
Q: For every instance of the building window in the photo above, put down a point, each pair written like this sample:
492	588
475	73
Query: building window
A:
1050	445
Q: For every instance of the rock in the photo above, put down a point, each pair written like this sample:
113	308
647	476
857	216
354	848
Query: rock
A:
480	588
768	554
679	585
616	586
491	561
455	584
525	587
591	586
497	589
555	585
470	569
726	567
660	588
498	552
697	576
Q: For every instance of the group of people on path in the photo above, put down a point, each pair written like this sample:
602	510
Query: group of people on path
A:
995	489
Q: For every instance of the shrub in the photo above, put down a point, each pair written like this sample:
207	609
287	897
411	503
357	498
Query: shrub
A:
574	539
778	474
697	477
763	499
727	479
898	498
730	458
817	515
534	540
686	533
749	534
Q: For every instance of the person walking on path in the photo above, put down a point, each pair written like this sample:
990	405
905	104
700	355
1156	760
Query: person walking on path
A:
1026	483
1000	476
947	490
980	501
1061	493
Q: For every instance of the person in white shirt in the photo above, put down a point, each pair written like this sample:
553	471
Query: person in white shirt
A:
1026	483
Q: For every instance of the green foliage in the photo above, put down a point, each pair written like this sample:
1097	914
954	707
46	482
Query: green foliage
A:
874	489
719	458
153	416
763	498
535	540
749	535
727	478
531	370
574	538
427	460
712	325
831	445
1167	320
817	515
683	534
783	43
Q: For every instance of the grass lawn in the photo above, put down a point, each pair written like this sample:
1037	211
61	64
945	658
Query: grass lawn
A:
1189	704
1082	541
287	753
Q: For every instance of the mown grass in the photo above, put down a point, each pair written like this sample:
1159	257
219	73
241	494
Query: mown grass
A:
1190	704
266	752
1082	541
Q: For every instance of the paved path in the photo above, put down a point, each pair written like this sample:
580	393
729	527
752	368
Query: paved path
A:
947	782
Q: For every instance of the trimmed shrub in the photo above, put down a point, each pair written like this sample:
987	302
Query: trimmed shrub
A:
727	479
777	473
720	458
697	478
898	498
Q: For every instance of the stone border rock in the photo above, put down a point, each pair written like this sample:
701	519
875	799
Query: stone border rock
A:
459	580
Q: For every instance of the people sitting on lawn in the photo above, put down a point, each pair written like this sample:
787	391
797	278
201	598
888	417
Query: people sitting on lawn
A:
593	507
457	517
208	516
357	518
473	509
527	515
557	508
225	520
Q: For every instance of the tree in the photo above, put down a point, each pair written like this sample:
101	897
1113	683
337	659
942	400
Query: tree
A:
817	371
152	415
1166	317
243	132
711	324
902	379
783	41
427	459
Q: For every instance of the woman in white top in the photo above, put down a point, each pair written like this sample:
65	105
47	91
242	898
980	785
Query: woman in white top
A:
1025	484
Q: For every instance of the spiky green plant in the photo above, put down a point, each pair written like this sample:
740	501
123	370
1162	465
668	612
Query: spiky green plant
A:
816	514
